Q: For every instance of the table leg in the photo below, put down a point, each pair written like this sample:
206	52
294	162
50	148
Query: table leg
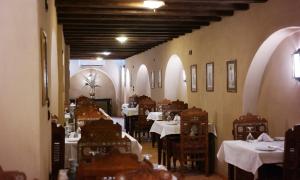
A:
159	146
153	138
230	172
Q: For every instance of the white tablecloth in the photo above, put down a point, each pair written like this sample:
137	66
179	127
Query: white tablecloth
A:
165	128
130	111
71	148
154	116
244	155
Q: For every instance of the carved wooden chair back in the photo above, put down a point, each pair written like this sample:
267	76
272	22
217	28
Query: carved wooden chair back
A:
254	123
99	138
108	166
175	107
11	175
194	136
146	106
133	101
160	104
291	165
57	149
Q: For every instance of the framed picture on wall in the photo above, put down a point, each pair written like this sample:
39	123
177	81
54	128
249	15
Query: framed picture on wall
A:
231	76
44	68
159	79
194	78
210	77
152	80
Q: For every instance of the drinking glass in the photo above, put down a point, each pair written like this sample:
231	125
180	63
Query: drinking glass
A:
250	136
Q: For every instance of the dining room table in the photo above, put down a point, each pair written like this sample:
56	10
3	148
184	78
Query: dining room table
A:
130	117
71	144
155	116
250	155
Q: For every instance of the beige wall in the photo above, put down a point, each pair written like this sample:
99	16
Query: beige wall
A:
25	132
236	37
61	61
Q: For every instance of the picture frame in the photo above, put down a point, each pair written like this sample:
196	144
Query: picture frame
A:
159	79
194	78
210	77
231	67
44	68
152	80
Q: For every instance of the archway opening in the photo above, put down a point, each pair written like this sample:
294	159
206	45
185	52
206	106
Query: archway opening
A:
142	84
175	80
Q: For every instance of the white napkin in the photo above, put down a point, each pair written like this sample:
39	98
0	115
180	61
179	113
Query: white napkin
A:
264	137
176	118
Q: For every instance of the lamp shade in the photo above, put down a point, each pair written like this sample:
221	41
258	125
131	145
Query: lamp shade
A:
296	59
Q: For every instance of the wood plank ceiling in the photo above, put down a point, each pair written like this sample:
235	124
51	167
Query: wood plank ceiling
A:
90	26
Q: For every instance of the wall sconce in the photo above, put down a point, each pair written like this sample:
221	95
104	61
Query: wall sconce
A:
296	61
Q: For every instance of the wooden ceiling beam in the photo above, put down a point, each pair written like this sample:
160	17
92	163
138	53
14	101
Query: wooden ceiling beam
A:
60	3
80	19
95	13
169	6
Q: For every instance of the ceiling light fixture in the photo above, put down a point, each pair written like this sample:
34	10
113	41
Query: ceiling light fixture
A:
121	39
153	4
105	53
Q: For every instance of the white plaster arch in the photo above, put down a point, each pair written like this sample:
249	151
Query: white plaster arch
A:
175	87
142	84
101	71
107	87
258	65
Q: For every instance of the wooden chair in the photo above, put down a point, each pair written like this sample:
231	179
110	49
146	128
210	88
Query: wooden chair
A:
133	101
98	138
169	111
193	144
11	175
108	166
57	149
257	124
160	104
291	167
143	126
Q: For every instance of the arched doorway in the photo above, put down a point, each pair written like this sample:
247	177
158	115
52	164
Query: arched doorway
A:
175	84
106	89
142	84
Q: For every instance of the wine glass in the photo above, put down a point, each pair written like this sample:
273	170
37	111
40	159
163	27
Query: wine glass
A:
250	137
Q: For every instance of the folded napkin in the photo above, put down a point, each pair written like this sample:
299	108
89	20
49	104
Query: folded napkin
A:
265	138
176	118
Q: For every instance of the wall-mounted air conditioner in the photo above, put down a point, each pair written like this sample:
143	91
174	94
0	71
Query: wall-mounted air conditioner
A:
91	64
